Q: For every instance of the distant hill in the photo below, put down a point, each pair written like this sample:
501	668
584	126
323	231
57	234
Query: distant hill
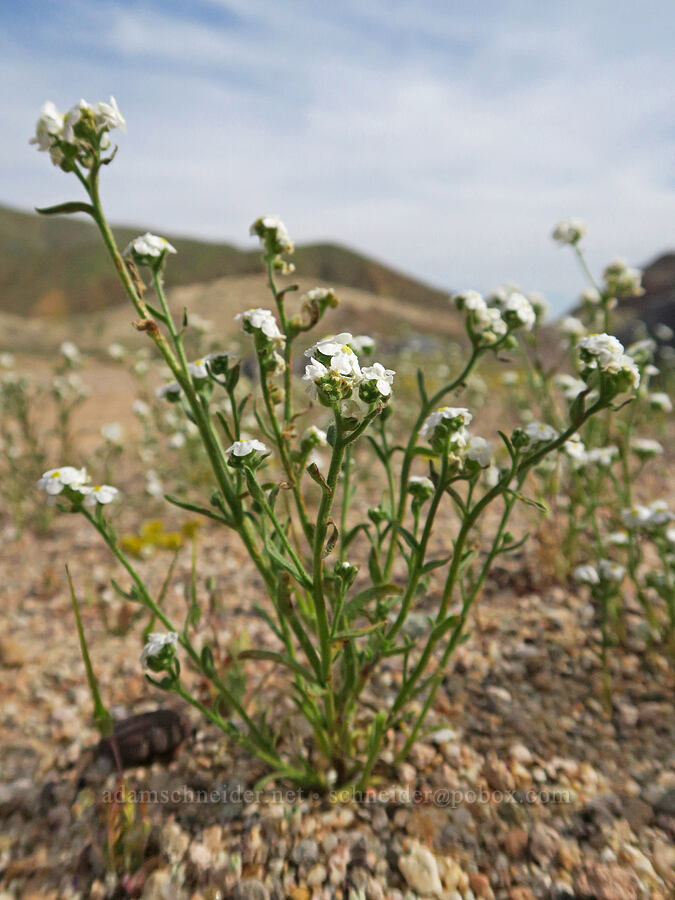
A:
54	266
655	307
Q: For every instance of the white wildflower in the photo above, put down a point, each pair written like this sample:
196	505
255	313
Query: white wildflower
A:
660	402
170	392
314	437
540	432
148	248
659	513
645	448
198	369
157	641
517	312
420	481
53	481
383	378
618	538
330	345
622	280
472	301
573	327
362	343
177	440
140	408
49	127
635	516
591	296
611	571
246	448
663	332
570	386
116	351
569	231
457	418
112	432
108	116
602	456
70	351
586	574
100	493
479	450
262	320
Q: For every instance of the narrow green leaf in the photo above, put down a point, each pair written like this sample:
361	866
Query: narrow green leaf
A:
65	209
102	718
282	660
315	475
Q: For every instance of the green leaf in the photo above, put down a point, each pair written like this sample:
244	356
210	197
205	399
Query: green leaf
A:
407	536
542	507
354	606
193	507
66	209
281	660
374	567
157	313
421	388
315	475
102	718
351	534
434	564
288	566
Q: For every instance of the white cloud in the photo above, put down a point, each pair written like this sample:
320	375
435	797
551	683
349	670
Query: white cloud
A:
445	144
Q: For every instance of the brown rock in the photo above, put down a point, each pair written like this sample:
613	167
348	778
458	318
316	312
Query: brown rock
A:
598	882
521	893
544	842
497	774
12	654
515	843
480	885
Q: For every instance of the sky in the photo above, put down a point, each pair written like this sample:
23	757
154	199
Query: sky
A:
443	138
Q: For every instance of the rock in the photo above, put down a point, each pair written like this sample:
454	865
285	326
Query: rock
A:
316	875
499	696
200	855
569	855
521	893
497	774
12	654
665	804
450	871
251	889
515	843
600	882
420	870
161	886
305	853
663	858
637	861
636	812
544	843
174	841
520	753
480	885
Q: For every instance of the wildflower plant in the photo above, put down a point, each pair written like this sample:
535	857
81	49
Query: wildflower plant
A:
340	593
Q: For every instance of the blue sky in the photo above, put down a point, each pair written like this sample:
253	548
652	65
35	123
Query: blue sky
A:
445	138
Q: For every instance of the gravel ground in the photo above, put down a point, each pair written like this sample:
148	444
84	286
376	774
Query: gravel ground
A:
523	787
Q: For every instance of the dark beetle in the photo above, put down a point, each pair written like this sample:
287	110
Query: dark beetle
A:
143	739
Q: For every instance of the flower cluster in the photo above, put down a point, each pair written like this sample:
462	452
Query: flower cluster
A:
581	457
605	572
446	429
484	323
623	281
275	240
73	484
79	134
159	650
261	322
569	231
148	250
655	515
334	372
605	364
